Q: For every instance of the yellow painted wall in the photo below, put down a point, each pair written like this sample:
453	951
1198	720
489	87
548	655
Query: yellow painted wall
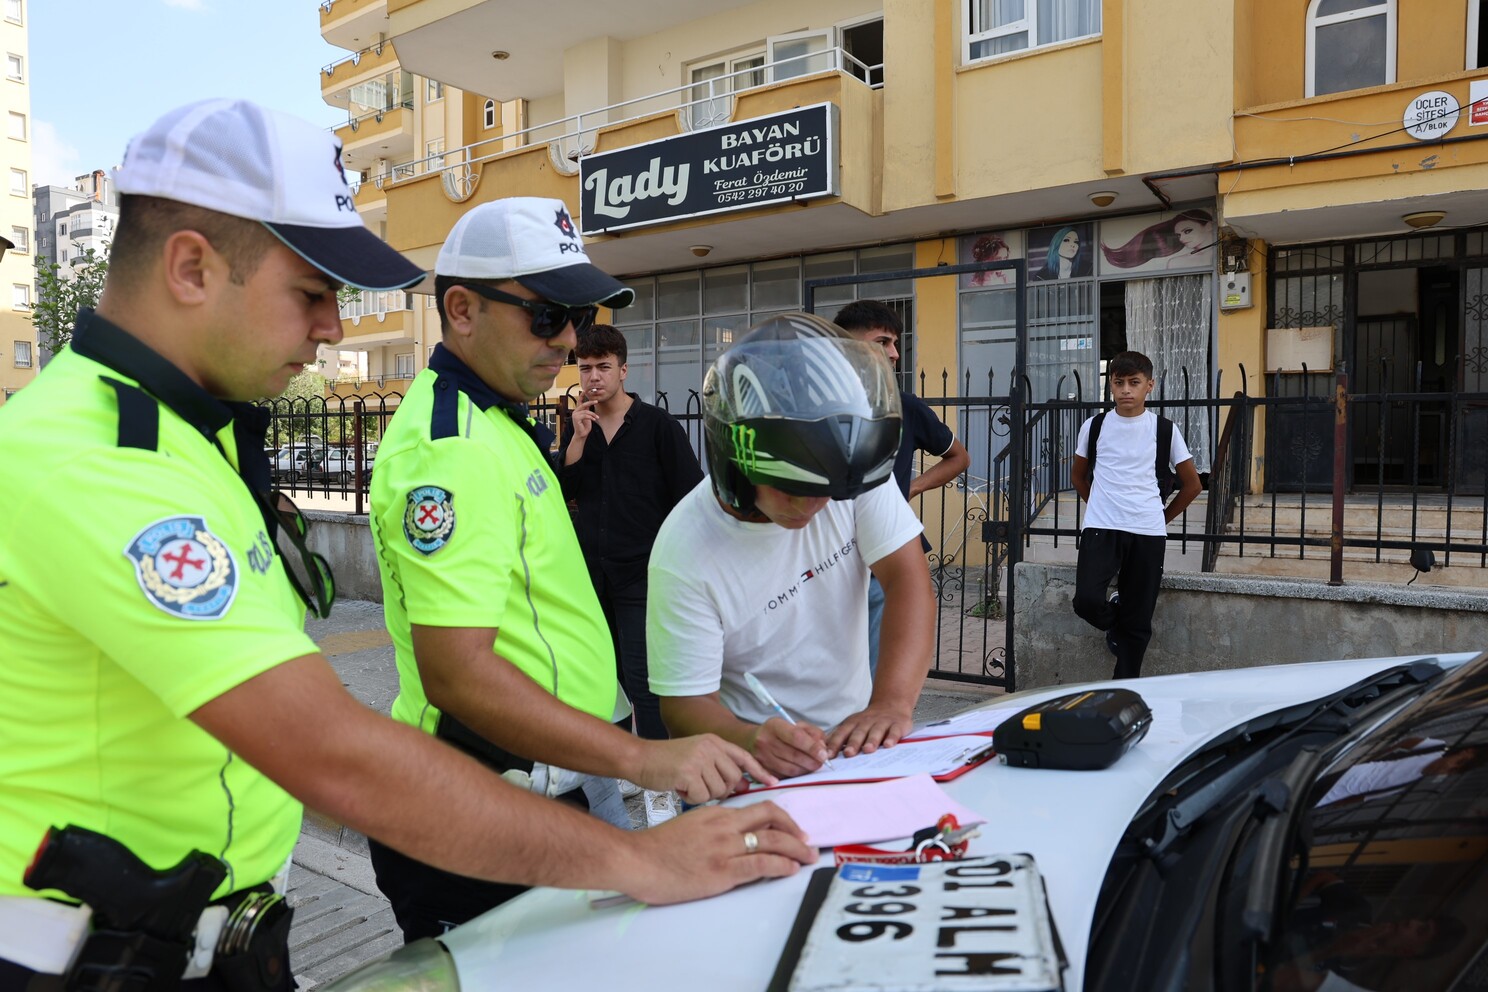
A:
1431	40
1039	119
1179	93
420	214
936	316
909	173
15	211
660	61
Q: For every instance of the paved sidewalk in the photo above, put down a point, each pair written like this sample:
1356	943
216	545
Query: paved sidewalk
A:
341	920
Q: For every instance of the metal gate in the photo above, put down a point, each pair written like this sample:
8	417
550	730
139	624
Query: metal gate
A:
975	525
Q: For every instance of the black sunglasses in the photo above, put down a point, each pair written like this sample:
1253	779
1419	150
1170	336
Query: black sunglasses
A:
548	319
308	572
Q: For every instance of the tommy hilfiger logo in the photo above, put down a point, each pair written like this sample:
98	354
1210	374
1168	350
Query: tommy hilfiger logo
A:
829	560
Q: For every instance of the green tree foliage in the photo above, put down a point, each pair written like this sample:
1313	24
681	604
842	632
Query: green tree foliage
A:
58	298
305	414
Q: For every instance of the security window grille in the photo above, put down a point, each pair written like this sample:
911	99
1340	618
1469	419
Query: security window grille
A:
23	354
21	238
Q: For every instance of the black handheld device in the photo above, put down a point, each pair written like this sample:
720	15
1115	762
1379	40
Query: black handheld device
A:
1082	731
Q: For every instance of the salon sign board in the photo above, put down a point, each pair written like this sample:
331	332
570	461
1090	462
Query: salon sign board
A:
754	163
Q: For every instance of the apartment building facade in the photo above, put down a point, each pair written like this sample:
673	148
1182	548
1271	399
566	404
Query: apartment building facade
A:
70	221
18	349
1229	186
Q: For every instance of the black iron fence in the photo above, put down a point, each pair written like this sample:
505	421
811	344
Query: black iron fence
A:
1306	473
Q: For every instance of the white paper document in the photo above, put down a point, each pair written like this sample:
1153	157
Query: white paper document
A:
938	757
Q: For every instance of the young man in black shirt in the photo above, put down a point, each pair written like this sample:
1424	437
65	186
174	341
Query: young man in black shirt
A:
877	323
623	465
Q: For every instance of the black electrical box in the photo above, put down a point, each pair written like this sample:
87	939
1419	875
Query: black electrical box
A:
1082	731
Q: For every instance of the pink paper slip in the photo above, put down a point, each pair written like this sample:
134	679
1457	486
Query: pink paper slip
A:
868	813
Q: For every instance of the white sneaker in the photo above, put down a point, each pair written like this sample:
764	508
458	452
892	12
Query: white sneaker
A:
660	807
628	789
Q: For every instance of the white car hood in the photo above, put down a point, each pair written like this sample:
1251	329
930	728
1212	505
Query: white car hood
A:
1069	821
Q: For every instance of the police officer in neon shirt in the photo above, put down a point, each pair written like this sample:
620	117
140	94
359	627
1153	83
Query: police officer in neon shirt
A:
158	690
502	646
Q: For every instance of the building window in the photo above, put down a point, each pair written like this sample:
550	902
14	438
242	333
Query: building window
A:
21	238
1350	45
15	67
18	182
13	11
714	81
434	155
681	321
433	90
17	126
1477	34
489	118
20	296
403	366
998	27
23	354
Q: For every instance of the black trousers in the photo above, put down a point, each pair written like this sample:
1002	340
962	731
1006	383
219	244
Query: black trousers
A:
428	901
624	607
1135	561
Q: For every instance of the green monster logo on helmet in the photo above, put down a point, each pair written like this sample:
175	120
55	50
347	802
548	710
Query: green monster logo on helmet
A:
743	438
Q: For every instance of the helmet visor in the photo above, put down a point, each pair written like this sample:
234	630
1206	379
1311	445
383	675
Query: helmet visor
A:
805	379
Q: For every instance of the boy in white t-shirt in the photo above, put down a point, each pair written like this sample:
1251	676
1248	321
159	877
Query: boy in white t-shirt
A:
763	568
1125	531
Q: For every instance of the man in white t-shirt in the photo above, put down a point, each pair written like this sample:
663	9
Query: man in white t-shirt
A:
763	568
1125	530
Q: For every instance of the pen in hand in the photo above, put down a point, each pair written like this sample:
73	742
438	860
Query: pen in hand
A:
763	695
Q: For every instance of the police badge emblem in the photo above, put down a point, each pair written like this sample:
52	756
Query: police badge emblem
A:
429	519
183	568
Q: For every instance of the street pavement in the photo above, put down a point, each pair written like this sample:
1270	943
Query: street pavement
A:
341	920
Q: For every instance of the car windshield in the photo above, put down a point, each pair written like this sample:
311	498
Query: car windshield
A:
1392	891
1339	844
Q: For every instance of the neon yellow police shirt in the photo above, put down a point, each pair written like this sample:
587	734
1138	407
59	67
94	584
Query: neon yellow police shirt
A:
135	586
472	531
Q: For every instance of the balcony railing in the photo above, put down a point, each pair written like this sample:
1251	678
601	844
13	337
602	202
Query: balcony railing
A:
375	115
369	303
354	58
707	103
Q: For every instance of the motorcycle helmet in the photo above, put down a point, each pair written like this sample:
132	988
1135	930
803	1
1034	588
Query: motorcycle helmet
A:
799	405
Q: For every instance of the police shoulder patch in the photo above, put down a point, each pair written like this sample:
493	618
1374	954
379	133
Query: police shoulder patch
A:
429	518
184	569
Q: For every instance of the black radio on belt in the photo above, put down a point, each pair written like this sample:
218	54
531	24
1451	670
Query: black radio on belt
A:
1081	731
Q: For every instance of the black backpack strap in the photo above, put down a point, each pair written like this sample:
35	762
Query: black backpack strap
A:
1095	429
1164	446
139	416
